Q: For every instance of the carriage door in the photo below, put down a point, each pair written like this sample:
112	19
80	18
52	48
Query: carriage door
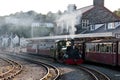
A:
119	53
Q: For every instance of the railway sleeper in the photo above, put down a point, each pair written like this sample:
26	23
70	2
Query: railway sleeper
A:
12	75
8	78
3	74
48	77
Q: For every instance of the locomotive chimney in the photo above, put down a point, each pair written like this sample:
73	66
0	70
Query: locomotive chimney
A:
98	2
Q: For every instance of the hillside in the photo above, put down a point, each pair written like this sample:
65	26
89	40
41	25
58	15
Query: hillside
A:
21	23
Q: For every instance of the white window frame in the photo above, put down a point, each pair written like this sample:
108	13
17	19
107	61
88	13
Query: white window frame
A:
111	25
85	23
92	27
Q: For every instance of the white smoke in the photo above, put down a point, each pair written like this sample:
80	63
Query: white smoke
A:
23	21
69	20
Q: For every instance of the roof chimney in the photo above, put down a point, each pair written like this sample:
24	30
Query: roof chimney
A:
98	2
71	7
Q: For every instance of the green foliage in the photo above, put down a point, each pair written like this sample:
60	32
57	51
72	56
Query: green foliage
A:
117	12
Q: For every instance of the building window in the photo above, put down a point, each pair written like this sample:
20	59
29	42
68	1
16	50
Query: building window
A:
111	25
85	23
92	27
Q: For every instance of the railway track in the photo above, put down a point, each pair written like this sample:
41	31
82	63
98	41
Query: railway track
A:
95	74
52	74
52	71
15	69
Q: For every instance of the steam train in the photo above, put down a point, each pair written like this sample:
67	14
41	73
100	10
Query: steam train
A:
105	51
60	51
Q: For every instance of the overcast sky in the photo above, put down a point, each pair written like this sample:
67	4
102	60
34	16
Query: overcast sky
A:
43	6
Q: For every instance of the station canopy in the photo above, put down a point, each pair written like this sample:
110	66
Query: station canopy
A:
89	35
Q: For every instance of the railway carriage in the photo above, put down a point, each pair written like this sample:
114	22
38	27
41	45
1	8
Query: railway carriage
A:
32	48
103	51
42	47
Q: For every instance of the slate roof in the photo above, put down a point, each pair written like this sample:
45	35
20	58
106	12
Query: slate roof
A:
95	14
85	9
100	14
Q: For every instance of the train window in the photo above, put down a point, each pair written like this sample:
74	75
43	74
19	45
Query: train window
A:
106	47
91	47
99	47
114	47
29	45
109	47
87	47
34	46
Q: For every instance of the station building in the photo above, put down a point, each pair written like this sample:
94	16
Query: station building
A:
95	18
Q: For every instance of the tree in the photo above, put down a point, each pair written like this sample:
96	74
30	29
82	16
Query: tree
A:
117	12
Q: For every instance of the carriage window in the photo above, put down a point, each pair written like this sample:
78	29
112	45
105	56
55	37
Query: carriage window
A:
34	46
91	47
105	47
114	47
99	47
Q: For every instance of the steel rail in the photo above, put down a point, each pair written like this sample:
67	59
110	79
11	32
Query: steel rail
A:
90	71
12	65
49	66
16	69
55	69
45	76
97	75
